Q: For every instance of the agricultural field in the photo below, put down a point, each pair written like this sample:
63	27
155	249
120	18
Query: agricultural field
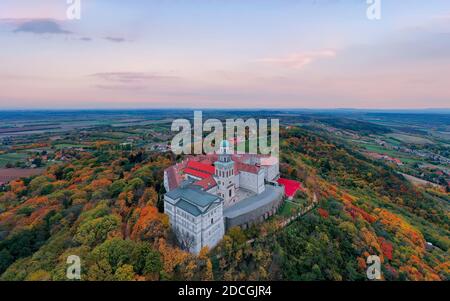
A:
9	174
396	154
409	139
69	145
12	158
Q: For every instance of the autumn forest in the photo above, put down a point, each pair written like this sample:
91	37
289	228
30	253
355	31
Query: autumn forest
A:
104	204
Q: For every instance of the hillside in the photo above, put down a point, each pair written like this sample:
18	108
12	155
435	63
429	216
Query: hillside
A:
105	207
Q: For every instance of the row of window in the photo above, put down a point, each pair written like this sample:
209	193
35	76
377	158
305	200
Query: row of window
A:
224	173
188	221
213	230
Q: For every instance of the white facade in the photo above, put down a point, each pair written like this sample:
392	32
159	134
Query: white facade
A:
213	227
271	172
166	181
251	181
205	229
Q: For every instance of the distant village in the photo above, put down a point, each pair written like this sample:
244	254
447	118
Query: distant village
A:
419	165
23	156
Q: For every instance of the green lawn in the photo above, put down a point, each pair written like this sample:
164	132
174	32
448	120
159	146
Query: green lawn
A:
287	208
301	202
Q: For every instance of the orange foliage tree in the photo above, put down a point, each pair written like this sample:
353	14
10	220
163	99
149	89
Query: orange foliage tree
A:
150	225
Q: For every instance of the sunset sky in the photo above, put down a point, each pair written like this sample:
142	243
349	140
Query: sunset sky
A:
224	53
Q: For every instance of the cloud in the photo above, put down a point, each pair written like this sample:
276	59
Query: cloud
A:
130	77
121	87
129	80
85	39
301	59
115	39
41	27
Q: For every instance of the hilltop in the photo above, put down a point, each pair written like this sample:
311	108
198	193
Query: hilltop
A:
105	206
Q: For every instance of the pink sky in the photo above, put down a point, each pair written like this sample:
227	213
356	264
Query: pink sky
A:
224	54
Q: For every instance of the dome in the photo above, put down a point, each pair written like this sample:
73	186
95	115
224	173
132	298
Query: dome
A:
225	143
224	147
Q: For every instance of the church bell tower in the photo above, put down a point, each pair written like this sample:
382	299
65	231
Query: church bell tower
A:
224	175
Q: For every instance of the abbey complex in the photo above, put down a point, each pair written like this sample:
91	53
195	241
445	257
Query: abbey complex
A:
207	194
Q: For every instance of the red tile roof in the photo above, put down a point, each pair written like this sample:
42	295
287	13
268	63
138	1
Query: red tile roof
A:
201	167
196	173
206	183
206	161
398	161
246	167
290	186
173	177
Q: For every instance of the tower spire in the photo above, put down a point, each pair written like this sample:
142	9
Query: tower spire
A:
224	174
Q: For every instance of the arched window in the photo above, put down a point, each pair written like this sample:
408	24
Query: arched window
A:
212	221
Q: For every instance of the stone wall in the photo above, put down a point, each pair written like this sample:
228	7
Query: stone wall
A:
255	216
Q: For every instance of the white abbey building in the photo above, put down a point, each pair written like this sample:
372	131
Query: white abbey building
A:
208	193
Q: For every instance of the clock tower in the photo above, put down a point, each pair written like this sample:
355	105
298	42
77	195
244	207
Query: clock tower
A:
224	175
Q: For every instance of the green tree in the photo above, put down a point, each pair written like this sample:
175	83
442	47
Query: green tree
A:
153	263
96	231
5	260
124	273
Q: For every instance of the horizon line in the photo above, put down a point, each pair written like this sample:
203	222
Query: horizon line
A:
221	108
